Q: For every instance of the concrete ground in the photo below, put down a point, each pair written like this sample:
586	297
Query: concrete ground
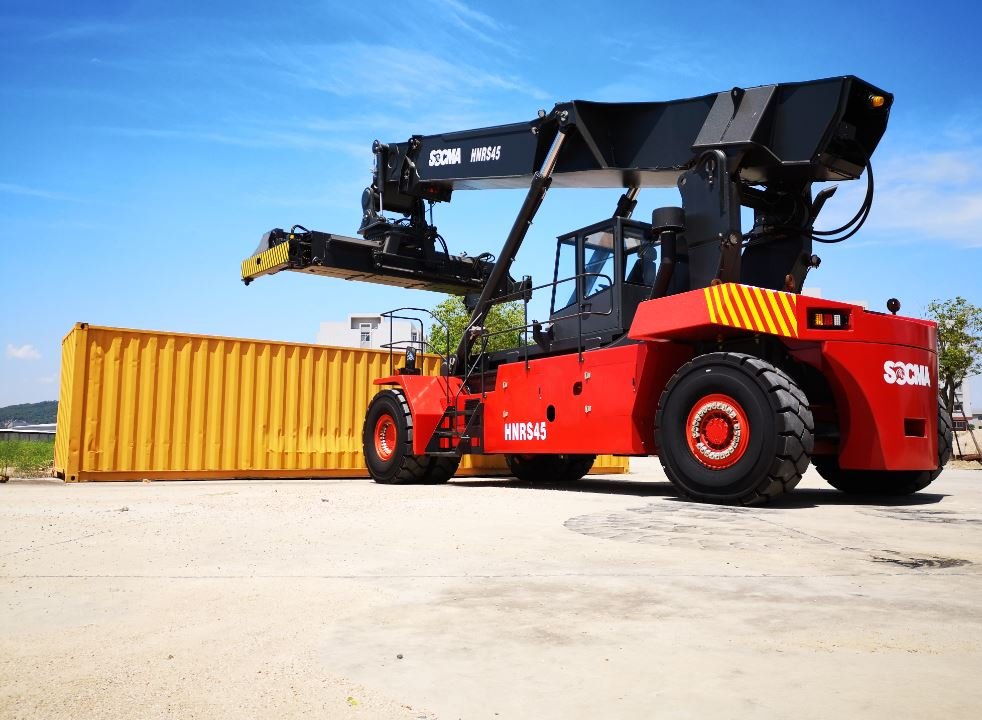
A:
487	599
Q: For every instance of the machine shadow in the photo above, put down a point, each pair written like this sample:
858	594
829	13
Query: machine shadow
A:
813	497
605	487
799	498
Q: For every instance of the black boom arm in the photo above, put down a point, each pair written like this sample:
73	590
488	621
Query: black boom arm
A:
758	147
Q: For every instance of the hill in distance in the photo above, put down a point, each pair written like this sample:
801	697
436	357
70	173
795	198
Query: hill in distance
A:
29	414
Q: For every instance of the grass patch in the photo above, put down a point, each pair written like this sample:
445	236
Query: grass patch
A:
23	458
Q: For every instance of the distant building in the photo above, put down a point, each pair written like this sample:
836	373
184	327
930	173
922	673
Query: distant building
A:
37	433
367	330
964	393
961	413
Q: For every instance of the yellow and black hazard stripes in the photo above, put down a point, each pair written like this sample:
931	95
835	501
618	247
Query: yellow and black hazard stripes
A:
276	258
753	308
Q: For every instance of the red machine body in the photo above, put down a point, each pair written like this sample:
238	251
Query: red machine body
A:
881	371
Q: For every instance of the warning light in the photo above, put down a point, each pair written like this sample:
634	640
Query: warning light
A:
828	319
877	101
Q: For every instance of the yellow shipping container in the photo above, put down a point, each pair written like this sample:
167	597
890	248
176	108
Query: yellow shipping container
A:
140	404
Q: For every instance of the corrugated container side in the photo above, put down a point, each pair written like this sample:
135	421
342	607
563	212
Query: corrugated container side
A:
141	404
64	402
487	465
68	420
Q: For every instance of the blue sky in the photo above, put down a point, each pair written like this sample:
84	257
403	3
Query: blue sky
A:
147	145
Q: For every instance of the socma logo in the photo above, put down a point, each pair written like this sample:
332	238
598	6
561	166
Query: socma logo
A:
898	373
445	156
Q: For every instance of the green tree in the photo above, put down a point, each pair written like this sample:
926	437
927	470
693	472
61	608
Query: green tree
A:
959	343
454	315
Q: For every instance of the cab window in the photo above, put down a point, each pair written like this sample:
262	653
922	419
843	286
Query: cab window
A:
598	262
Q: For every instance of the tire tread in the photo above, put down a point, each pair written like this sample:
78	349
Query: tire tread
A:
413	469
793	417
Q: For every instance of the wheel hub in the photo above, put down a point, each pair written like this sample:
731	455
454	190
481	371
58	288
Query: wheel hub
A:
385	437
717	431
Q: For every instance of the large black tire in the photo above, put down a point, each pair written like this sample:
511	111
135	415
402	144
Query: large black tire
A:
387	441
888	482
732	428
549	468
441	469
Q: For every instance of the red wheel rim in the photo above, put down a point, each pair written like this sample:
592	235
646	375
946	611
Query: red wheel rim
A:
717	431
386	436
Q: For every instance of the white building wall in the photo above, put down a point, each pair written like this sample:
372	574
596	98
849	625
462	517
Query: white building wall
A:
366	330
964	404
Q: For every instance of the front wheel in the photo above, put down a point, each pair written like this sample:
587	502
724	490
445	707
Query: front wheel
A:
732	428
441	469
888	482
387	441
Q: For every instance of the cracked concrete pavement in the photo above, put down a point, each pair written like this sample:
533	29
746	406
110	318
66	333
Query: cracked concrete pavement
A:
487	598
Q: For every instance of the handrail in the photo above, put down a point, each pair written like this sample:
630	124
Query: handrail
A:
395	344
583	313
391	314
485	334
480	358
528	291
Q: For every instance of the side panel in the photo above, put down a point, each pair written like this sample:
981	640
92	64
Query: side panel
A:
886	398
604	404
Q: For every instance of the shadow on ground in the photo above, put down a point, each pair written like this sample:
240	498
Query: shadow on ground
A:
608	487
797	499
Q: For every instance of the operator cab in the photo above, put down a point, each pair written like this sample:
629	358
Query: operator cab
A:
602	273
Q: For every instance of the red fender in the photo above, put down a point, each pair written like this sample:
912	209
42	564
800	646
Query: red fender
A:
428	398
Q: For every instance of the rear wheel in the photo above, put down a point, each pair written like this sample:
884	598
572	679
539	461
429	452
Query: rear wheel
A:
387	441
888	482
549	468
732	428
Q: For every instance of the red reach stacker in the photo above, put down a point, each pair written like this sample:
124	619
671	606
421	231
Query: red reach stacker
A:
685	337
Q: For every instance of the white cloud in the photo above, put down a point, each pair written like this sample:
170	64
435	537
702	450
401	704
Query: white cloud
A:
929	196
352	70
23	352
243	137
926	213
86	30
477	24
47	379
468	15
16	189
946	167
963	128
